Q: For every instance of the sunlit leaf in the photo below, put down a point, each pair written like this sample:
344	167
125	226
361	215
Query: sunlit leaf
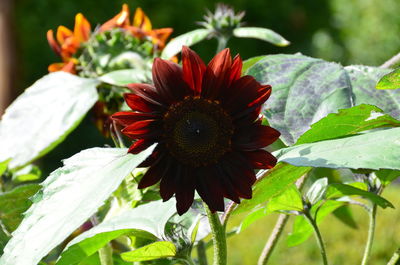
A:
44	115
3	239
70	195
187	39
345	215
317	190
386	176
126	76
271	184
337	190
157	250
348	122
302	230
374	150
261	34
390	80
289	200
146	220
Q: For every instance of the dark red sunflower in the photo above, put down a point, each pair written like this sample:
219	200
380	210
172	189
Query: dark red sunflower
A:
206	123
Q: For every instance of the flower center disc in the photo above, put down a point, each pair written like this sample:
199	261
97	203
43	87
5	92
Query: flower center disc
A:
197	131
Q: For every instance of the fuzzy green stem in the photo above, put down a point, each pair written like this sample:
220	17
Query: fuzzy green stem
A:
395	258
201	253
371	233
222	42
318	237
218	235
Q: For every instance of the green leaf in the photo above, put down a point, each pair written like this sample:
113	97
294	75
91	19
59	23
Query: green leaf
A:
307	89
146	221
302	230
289	200
70	195
3	166
345	215
252	217
126	76
337	190
261	34
157	250
390	80
374	150
386	176
14	203
274	182
317	190
3	239
187	39
348	122
27	173
43	116
250	62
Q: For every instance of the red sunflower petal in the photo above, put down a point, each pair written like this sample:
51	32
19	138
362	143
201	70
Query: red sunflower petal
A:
146	129
126	118
217	73
168	81
254	137
184	191
209	189
169	181
236	69
158	152
193	69
153	174
138	103
139	146
261	159
147	92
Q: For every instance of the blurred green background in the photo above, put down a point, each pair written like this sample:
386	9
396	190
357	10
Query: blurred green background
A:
349	32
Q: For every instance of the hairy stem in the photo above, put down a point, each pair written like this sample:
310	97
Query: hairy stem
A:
201	253
391	62
318	237
222	42
371	233
218	235
277	231
395	258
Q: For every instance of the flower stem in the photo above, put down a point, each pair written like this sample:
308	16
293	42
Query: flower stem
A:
273	239
218	235
222	42
201	253
318	237
395	258
371	232
278	229
391	62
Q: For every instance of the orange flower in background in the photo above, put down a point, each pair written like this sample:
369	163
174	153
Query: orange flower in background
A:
141	26
67	43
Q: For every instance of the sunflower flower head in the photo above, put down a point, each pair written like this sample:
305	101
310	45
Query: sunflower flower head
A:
67	43
223	21
206	122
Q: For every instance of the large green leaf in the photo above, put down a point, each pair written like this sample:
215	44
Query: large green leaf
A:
274	182
43	116
156	250
348	122
261	34
390	80
3	239
374	150
307	89
287	201
187	39
14	203
147	220
70	195
386	176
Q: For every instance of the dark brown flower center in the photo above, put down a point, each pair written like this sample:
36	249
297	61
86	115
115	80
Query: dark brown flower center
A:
197	131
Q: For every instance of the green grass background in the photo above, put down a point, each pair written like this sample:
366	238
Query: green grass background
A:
344	245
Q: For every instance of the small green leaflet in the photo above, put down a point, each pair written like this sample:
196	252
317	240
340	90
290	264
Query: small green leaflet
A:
43	116
374	150
386	176
187	39
156	250
390	80
126	76
261	34
14	203
70	195
146	220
